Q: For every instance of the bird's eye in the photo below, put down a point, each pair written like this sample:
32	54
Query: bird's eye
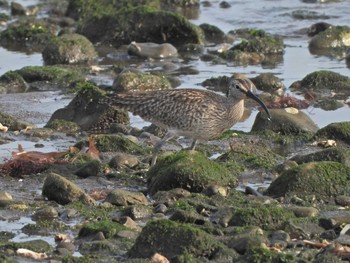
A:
237	86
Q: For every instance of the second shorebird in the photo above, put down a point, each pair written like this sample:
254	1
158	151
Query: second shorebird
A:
197	114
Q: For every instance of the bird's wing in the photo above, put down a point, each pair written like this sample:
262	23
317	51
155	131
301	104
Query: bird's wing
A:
171	108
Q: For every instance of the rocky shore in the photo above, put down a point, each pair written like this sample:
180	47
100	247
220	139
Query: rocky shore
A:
98	200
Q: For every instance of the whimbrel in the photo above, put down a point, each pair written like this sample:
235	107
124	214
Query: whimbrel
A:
197	114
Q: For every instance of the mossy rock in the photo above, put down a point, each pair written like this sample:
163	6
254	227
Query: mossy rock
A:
63	126
334	154
69	49
131	81
139	24
337	131
249	156
107	227
212	33
266	217
29	33
86	110
189	170
63	191
185	240
260	254
332	37
50	77
40	78
37	245
118	143
13	123
323	82
324	180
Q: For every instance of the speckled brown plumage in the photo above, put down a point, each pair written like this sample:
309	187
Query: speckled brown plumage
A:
197	114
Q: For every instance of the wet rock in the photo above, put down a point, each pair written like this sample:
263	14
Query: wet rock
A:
247	155
132	81
303	230
171	196
212	33
122	197
91	168
123	160
69	49
269	83
320	180
342	200
317	28
13	123
139	211
187	216
322	83
189	170
252	236
285	121
332	37
63	126
141	24
329	104
266	217
5	199
152	50
88	113
17	9
12	82
217	83
255	48
31	34
45	213
337	131
224	4
63	191
184	239
117	143
129	223
305	14
33	78
42	133
65	248
107	227
335	154
301	211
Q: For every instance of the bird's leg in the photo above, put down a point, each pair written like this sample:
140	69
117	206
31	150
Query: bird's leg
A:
193	145
159	146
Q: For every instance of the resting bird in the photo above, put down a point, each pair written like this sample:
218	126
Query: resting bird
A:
197	114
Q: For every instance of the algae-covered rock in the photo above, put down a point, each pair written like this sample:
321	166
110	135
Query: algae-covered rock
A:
91	168
269	83
39	78
140	24
286	121
212	33
257	46
322	83
107	227
189	170
249	156
332	37
173	240
337	131
87	112
69	49
324	180
266	217
32	34
63	191
122	197
132	81
335	154
13	123
117	143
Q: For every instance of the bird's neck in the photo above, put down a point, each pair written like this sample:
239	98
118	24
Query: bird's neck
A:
236	110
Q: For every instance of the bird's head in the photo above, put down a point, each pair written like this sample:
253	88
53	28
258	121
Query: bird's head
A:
241	87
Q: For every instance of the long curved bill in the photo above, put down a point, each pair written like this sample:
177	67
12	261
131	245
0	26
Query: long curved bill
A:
258	100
